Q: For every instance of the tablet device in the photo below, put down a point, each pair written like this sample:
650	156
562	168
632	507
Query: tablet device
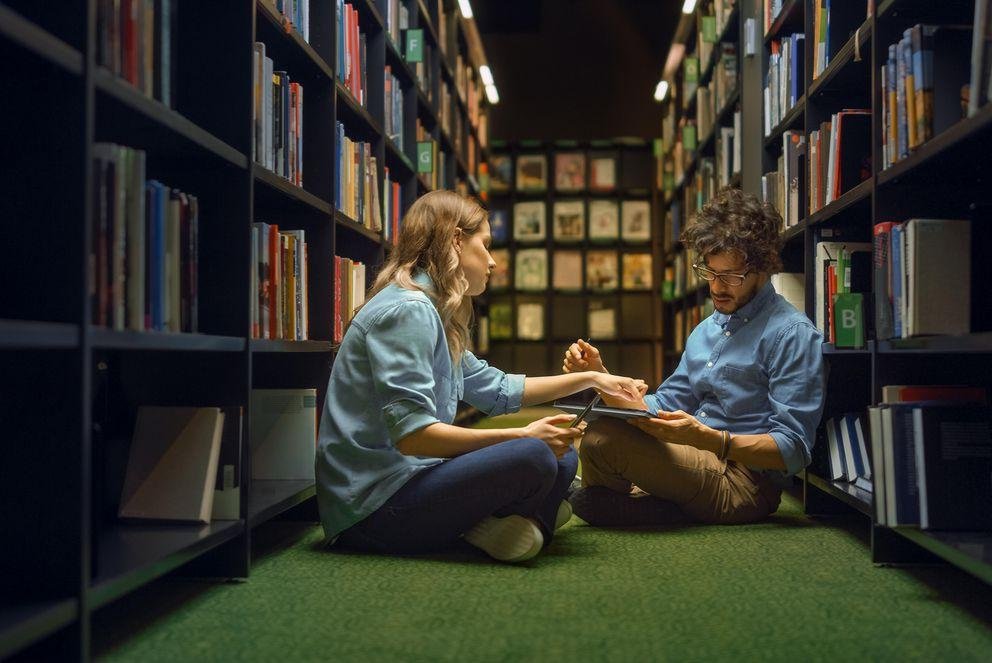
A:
582	415
598	411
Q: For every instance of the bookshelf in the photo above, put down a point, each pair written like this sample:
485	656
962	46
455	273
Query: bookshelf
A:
941	178
633	347
73	555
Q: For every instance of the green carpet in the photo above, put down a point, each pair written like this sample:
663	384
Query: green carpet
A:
789	588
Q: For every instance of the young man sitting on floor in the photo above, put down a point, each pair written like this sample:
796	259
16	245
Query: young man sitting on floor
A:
740	412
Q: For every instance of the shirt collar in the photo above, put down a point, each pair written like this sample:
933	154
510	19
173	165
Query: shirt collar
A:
749	310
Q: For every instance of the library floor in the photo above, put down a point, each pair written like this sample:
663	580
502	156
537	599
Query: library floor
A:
789	588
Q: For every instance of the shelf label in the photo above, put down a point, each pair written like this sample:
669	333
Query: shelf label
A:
425	157
415	45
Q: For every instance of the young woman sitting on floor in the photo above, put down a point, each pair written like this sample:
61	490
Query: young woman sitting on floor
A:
393	474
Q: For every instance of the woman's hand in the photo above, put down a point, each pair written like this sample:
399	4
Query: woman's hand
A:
582	356
558	439
617	386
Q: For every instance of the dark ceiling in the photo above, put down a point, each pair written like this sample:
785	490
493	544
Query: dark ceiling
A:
582	69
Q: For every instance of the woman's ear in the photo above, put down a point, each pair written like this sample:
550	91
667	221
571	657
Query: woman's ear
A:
458	240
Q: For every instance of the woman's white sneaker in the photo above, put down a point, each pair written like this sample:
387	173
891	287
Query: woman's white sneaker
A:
509	539
564	514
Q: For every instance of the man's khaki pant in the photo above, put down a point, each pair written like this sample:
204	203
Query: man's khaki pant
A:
617	455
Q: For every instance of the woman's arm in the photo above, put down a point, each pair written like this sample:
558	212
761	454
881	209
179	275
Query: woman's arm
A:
547	388
445	441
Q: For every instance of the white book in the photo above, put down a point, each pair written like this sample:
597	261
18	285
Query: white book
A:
172	464
850	448
283	434
862	450
737	142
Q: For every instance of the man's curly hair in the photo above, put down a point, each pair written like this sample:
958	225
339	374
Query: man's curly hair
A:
737	221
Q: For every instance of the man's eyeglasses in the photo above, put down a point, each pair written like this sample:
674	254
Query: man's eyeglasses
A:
707	274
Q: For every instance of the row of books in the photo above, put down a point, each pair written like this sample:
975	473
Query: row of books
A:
783	187
679	276
932	456
595	318
349	292
394	109
420	54
470	89
833	23
785	79
429	163
840	269
144	261
277	115
184	463
921	84
296	13
922	277
570	172
351	52
687	319
609	221
397	20
280	287
602	270
136	40
392	212
847	450
357	183
711	101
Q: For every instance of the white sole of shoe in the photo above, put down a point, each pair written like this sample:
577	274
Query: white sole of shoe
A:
510	539
564	514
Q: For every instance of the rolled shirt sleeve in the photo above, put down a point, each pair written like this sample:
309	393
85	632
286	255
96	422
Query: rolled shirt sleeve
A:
400	345
795	393
489	389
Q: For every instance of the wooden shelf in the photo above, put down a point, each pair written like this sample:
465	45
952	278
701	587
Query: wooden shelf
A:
979	343
27	335
269	345
425	110
400	67
165	131
23	624
268	499
110	339
843	71
830	350
396	158
368	10
346	222
43	44
969	551
789	20
130	556
793	233
278	188
427	24
305	57
851	202
794	119
358	117
846	492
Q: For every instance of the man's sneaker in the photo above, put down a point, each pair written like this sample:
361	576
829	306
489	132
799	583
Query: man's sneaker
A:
564	514
510	539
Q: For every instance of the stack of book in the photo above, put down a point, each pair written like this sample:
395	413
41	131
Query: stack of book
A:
144	261
277	114
136	40
351	56
784	82
394	109
357	185
280	287
349	292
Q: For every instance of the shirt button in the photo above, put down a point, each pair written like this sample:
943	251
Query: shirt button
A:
745	319
709	363
726	333
702	414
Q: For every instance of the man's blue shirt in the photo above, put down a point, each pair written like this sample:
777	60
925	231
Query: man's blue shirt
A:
758	370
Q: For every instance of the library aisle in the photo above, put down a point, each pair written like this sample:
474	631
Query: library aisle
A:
201	195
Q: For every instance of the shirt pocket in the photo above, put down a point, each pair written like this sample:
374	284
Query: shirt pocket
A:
742	390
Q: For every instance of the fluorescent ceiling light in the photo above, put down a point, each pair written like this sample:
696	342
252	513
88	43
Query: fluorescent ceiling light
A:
487	75
492	94
688	6
661	91
467	8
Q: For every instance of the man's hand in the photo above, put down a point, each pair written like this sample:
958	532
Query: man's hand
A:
680	428
559	440
582	356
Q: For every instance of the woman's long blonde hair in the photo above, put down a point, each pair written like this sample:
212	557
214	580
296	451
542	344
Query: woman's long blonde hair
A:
427	242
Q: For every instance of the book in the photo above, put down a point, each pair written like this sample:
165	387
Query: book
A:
567	270
635	221
500	173
499	226
532	172
172	464
570	171
283	430
500	277
531	269
604	222
938	277
569	219
602	271
500	320
602	319
530	321
637	269
529	221
602	173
